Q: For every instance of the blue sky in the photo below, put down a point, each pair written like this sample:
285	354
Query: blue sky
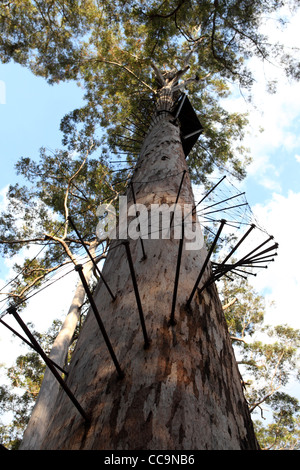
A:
31	115
30	119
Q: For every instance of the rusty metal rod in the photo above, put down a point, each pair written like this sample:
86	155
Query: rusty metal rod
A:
224	200
246	272
251	263
208	193
137	127
225	208
240	263
238	244
223	222
247	260
137	295
257	248
129	138
91	258
139	227
255	267
31	345
177	197
254	259
238	274
79	269
172	320
13	311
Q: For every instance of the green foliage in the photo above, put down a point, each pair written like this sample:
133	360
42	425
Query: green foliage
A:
246	312
272	364
268	358
110	50
283	433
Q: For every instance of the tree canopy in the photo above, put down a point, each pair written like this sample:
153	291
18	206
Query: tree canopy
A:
118	53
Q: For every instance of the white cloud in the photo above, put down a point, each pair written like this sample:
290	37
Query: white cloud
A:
3	199
270	184
265	172
277	114
280	283
281	280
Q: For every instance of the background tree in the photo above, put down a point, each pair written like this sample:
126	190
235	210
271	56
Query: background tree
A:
283	431
116	51
268	358
268	355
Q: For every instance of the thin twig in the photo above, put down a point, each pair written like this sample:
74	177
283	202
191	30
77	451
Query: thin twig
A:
68	189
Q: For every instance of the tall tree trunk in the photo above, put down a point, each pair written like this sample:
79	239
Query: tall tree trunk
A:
182	392
43	410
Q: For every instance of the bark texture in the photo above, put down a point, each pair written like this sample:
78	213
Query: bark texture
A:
184	391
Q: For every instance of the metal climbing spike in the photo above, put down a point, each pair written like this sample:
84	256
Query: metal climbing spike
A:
30	344
78	268
223	222
91	258
139	228
13	311
137	295
172	320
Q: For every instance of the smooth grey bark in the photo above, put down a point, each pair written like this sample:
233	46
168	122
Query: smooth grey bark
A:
44	407
184	391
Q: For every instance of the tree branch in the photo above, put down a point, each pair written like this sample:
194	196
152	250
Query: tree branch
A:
168	15
65	246
15	242
235	338
255	405
229	304
68	189
122	66
158	74
222	60
34	282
